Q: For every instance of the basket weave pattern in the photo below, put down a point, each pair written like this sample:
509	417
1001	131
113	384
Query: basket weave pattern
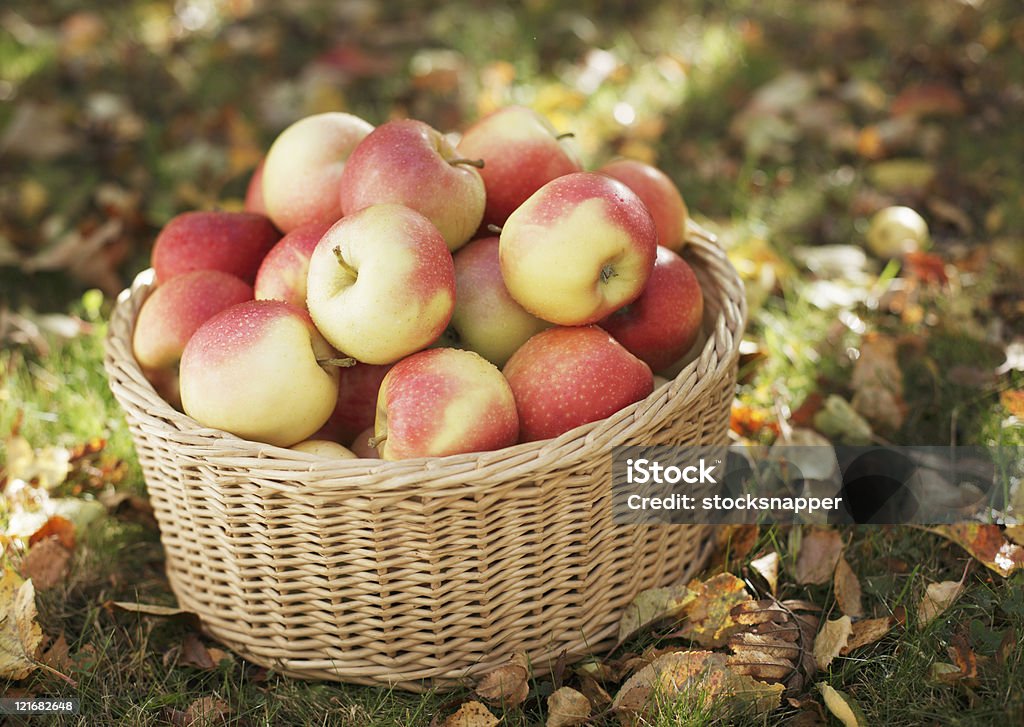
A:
421	572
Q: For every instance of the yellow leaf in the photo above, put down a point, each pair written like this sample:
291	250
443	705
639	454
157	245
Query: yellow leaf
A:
471	714
831	640
847	588
653	605
768	567
937	598
20	635
867	632
709	619
845	709
567	708
820	549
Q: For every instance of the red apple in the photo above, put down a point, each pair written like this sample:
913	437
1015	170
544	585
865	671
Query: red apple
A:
581	247
254	192
659	194
486	318
521	151
232	242
381	284
356	408
410	163
258	370
304	166
444	401
283	273
565	377
662	324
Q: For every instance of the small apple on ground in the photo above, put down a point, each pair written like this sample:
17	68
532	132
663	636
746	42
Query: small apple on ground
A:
258	370
381	284
283	273
410	163
486	318
895	231
324	448
521	151
232	242
304	165
662	324
659	194
581	247
444	401
565	377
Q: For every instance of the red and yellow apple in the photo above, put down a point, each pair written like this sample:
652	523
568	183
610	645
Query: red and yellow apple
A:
232	242
324	448
581	247
521	152
486	318
283	273
254	192
658	193
409	162
663	323
356	407
303	168
565	377
381	284
444	401
258	370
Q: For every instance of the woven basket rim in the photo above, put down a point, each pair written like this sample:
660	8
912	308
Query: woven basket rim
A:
333	476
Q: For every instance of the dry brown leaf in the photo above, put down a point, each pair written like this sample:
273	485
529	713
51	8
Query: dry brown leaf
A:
732	544
937	598
507	685
205	712
195	654
867	631
1015	533
965	659
945	673
594	692
57	655
768	567
652	606
831	640
709	619
56	525
46	563
986	543
20	635
820	549
471	714
151	609
847	588
877	383
845	709
567	708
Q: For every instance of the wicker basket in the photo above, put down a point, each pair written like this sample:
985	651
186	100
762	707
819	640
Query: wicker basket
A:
421	572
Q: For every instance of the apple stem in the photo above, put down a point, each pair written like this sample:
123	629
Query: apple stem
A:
478	163
566	135
343	362
349	270
607	273
496	229
375	442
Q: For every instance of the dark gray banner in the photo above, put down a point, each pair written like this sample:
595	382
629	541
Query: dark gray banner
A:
818	484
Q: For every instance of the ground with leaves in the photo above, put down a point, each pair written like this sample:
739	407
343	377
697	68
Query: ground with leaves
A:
786	125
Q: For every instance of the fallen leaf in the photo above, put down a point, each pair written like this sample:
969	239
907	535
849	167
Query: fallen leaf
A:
845	709
877	383
149	609
937	598
1015	533
46	563
847	588
940	671
1013	401
733	544
964	658
57	655
709	620
768	568
194	653
928	99
986	544
831	640
926	267
840	422
205	712
471	714
63	528
867	631
819	552
507	685
567	708
20	635
652	606
598	697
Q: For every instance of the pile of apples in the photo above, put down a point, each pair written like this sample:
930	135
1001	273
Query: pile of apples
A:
427	297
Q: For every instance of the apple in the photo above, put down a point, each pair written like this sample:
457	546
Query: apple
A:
521	151
254	192
409	162
283	273
444	401
663	323
324	448
659	194
304	166
259	370
580	247
381	284
356	407
486	318
361	445
565	377
895	231
232	242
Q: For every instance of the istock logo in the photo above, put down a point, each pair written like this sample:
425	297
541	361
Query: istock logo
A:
645	471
